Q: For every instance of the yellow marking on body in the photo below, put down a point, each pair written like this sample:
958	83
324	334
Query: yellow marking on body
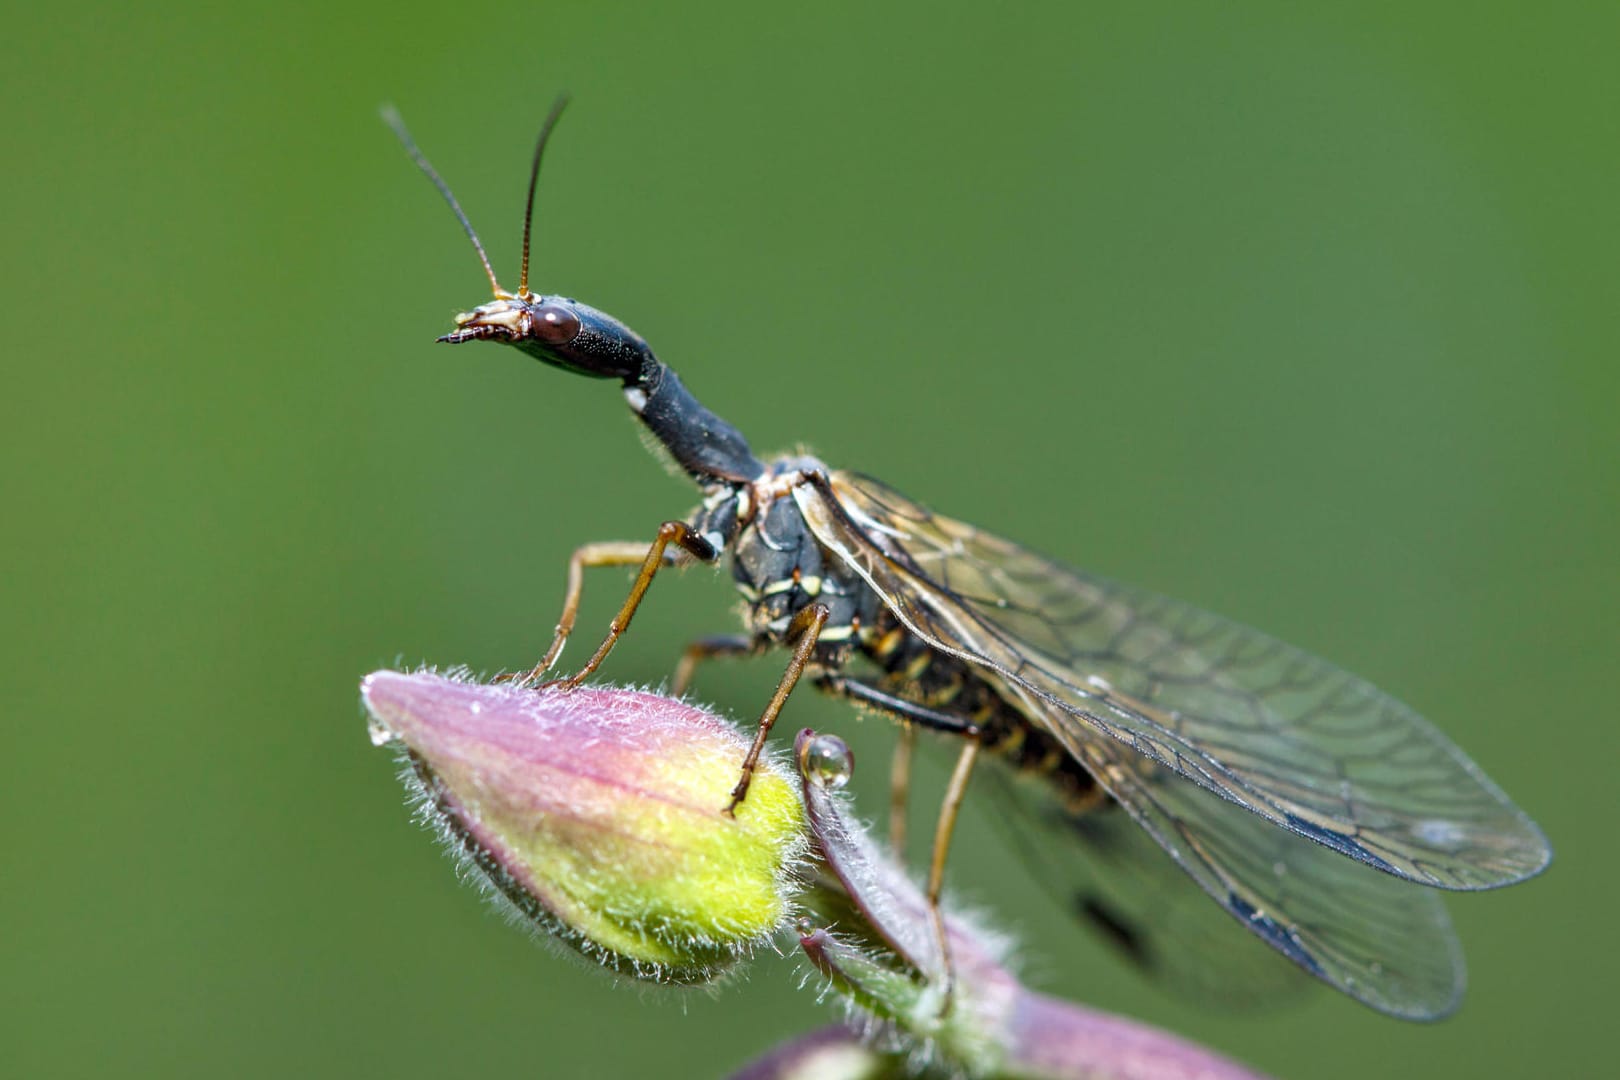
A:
1014	741
885	646
919	664
836	633
950	692
780	586
749	592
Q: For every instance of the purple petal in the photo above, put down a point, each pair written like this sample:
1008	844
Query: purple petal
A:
1058	1039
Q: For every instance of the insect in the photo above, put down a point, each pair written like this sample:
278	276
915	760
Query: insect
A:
1302	802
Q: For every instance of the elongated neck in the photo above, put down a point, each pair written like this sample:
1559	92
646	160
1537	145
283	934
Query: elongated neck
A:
703	444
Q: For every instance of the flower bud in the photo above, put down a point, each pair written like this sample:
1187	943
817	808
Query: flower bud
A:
599	814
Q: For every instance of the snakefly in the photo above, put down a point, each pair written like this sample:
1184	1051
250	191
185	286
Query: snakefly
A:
1305	804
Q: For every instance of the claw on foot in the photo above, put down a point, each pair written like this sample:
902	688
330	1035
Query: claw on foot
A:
739	793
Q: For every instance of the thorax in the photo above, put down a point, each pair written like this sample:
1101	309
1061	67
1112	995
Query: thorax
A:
780	567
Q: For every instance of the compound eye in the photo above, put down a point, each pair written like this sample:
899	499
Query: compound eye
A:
554	325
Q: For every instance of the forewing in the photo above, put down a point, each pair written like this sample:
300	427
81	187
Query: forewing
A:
1261	724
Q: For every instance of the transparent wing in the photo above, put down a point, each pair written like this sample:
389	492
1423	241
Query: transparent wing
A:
1263	725
1381	940
1113	877
1124	888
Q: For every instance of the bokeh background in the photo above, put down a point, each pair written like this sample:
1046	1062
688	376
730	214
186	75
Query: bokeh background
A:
1304	313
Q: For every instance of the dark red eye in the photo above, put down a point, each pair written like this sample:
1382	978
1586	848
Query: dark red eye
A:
554	325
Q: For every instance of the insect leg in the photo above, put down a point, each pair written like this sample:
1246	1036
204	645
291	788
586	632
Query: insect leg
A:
606	553
616	554
805	629
866	694
911	713
710	648
936	868
900	786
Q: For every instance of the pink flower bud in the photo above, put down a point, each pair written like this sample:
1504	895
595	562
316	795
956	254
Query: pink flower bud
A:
599	815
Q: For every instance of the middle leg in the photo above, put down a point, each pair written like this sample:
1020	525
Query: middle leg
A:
805	630
711	648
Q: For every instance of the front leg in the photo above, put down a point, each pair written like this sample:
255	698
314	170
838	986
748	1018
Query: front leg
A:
616	553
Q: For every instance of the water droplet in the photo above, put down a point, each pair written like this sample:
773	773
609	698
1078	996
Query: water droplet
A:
379	733
475	708
828	761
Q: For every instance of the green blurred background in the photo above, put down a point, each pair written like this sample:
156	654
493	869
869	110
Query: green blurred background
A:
1306	316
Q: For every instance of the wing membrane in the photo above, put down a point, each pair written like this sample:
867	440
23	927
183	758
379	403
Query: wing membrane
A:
1136	899
1381	940
1384	941
1261	724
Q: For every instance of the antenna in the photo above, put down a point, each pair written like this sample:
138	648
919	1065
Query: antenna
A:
552	117
392	118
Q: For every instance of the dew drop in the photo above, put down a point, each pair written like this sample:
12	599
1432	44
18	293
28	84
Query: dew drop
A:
828	761
379	733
